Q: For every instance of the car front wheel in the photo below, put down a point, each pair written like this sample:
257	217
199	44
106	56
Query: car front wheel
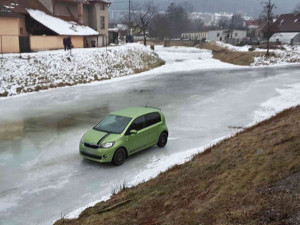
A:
163	139
119	157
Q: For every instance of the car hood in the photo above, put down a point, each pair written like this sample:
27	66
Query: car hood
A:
96	137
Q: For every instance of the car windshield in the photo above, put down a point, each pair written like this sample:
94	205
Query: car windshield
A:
113	124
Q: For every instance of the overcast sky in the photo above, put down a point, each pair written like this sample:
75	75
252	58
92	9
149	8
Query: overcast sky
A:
250	7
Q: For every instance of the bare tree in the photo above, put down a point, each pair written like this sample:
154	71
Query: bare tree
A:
143	16
297	9
160	26
267	17
224	23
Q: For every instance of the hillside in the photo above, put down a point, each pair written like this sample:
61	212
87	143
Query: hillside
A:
232	6
251	178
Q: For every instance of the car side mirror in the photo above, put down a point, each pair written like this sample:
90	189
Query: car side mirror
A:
133	132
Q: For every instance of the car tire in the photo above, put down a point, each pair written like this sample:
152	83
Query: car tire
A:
163	139
119	157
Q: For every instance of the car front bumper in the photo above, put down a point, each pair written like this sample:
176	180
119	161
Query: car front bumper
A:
99	155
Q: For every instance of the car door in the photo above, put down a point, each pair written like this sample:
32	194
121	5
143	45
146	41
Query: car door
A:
152	123
137	142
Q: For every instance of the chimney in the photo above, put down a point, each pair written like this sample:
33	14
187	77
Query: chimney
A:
80	12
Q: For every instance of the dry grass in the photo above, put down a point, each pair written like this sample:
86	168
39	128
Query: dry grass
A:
233	57
252	178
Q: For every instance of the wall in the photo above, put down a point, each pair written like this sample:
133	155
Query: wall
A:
38	43
9	35
22	25
90	17
9	44
65	8
297	39
99	13
48	4
194	36
9	26
240	34
213	35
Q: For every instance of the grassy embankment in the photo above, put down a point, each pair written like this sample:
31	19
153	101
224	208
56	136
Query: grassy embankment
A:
229	56
251	178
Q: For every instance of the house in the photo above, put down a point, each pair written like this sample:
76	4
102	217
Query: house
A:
286	29
28	25
13	32
194	36
117	33
232	36
92	13
290	38
252	27
226	35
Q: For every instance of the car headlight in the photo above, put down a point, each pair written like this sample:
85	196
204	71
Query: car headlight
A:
108	145
82	140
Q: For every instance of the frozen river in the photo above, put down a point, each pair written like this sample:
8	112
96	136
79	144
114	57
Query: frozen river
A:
42	175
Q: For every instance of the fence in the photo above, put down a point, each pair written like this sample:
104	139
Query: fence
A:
169	43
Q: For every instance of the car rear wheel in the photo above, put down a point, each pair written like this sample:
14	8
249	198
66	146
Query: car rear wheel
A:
163	139
119	157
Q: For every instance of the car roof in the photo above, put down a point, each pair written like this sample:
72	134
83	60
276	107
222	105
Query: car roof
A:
134	112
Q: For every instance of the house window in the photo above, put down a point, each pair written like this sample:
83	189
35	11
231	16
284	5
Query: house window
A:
218	34
102	6
102	22
236	34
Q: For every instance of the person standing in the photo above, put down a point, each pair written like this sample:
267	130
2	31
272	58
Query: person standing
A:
65	43
69	43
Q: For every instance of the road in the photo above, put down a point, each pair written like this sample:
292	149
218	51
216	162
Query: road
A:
43	176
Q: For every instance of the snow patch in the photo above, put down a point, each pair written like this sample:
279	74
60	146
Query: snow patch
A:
60	26
50	69
288	97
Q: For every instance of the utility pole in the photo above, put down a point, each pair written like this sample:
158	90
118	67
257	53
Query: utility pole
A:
129	25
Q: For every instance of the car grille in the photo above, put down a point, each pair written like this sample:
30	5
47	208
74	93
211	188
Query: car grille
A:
91	156
91	146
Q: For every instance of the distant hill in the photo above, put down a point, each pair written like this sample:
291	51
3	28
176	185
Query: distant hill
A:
251	8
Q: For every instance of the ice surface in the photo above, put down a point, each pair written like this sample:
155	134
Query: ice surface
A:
39	162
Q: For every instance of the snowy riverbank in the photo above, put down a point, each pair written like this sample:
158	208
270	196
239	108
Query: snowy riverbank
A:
287	55
43	70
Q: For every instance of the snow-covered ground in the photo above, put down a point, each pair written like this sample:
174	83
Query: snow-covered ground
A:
42	165
281	57
49	69
289	54
186	59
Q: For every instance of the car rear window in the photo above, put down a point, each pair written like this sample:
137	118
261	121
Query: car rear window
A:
152	118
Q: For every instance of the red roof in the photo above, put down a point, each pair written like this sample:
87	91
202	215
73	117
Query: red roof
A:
19	6
252	23
84	1
287	23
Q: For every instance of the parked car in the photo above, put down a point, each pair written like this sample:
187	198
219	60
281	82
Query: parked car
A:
123	133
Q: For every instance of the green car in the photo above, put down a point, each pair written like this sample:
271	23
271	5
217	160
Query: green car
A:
123	133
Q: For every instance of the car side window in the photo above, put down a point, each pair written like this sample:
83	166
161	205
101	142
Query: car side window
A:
152	118
138	124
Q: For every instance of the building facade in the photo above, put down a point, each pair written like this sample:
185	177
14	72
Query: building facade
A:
232	36
26	25
92	13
